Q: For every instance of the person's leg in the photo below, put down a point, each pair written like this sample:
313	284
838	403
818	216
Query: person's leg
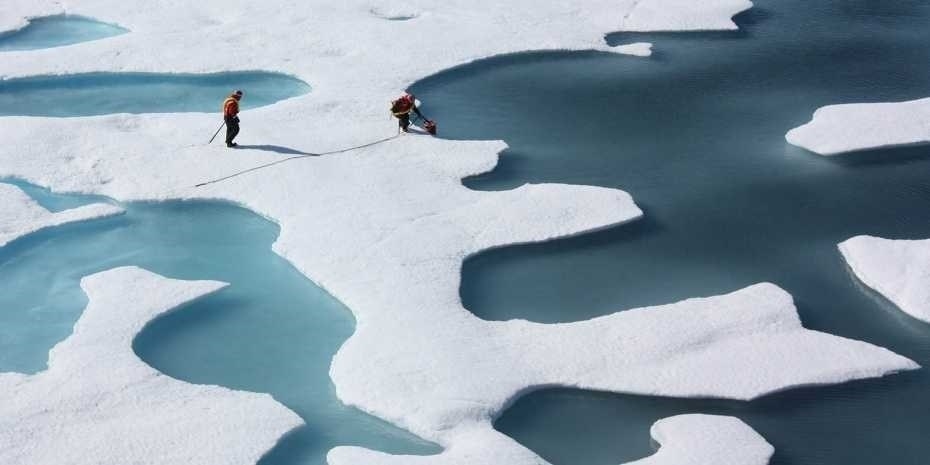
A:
232	129
229	130
404	122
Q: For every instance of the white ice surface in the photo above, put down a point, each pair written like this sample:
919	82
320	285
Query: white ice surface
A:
99	404
739	346
677	15
896	269
685	440
640	49
839	129
385	229
705	440
20	215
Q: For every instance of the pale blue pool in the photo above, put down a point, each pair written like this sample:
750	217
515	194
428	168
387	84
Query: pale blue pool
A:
271	330
56	31
105	93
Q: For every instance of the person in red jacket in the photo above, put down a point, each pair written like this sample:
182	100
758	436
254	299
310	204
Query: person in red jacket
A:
231	117
401	109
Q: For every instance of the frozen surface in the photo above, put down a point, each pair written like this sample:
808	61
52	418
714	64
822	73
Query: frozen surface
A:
706	439
685	440
98	403
896	269
641	49
385	229
677	15
20	215
838	129
740	346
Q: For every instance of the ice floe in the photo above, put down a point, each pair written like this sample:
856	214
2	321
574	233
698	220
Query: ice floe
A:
385	229
449	388
707	439
20	215
641	49
98	403
678	15
896	269
685	440
852	127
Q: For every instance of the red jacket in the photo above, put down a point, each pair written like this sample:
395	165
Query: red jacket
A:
230	107
403	105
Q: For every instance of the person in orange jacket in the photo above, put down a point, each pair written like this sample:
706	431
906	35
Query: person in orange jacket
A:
231	117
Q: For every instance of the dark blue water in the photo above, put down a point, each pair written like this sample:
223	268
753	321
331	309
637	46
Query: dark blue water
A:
271	330
55	31
106	93
696	135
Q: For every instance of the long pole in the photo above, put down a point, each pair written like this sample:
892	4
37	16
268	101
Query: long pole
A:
217	132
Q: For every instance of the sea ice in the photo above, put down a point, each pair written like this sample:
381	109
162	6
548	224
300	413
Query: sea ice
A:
99	404
385	229
641	49
20	215
685	440
707	439
896	269
449	388
678	15
845	128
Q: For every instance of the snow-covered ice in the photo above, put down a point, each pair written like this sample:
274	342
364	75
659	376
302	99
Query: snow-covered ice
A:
385	229
99	404
678	15
685	440
896	269
20	215
640	49
739	346
707	439
837	129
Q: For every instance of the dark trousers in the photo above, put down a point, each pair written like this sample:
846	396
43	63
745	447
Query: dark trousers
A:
404	121
232	128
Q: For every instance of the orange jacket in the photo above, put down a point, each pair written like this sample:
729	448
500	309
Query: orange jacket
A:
230	106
